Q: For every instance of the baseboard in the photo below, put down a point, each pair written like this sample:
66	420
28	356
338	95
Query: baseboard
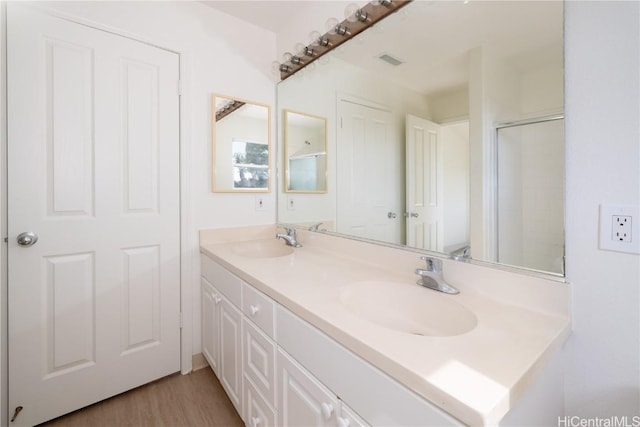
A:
198	361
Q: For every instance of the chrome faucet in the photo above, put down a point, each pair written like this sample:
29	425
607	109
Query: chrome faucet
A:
290	237
462	254
431	277
315	227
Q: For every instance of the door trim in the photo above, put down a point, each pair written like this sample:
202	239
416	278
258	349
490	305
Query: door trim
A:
186	241
4	367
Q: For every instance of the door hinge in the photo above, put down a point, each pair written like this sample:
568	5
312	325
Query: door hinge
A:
179	87
6	240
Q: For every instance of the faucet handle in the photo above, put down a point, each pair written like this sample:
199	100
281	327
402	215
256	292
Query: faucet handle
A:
315	227
433	264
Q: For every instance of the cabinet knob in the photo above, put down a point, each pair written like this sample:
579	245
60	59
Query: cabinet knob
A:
343	422
255	422
327	410
254	309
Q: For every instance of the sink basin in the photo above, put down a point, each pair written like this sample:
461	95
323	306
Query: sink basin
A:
270	248
407	308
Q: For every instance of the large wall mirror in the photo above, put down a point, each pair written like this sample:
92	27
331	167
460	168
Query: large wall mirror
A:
241	145
305	150
444	132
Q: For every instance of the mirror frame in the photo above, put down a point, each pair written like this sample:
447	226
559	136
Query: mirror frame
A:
214	144
285	135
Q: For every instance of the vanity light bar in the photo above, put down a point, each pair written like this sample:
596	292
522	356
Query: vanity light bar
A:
228	109
366	16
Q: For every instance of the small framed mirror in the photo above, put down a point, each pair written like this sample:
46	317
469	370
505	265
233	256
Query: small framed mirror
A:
241	134
305	150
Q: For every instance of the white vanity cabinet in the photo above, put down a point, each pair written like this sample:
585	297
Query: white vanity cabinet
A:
303	400
278	370
222	328
265	384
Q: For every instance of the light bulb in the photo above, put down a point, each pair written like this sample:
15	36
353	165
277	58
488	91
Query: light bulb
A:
314	37
331	25
350	12
286	57
275	67
300	49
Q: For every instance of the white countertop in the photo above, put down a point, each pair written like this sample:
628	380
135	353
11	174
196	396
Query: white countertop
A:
476	377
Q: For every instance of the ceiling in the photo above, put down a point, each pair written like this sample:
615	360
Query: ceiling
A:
436	37
269	14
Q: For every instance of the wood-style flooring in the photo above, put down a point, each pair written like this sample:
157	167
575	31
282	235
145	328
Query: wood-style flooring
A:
196	399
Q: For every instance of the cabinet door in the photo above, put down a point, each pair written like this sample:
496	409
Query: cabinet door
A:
303	401
259	361
231	352
258	413
211	325
348	418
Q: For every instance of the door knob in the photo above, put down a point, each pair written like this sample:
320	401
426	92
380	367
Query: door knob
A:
391	215
414	214
27	238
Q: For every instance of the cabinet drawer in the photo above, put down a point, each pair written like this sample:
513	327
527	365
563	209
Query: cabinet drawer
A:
258	413
222	279
259	361
259	308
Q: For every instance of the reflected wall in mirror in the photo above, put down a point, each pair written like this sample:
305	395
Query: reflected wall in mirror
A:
305	150
416	156
241	145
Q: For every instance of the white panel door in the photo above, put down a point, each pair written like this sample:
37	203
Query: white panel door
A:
368	183
424	184
93	170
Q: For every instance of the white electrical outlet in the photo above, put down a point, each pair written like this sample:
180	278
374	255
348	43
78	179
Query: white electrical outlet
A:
291	203
261	203
619	228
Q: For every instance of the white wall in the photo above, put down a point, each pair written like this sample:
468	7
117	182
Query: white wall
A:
455	167
494	96
450	105
603	166
219	54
